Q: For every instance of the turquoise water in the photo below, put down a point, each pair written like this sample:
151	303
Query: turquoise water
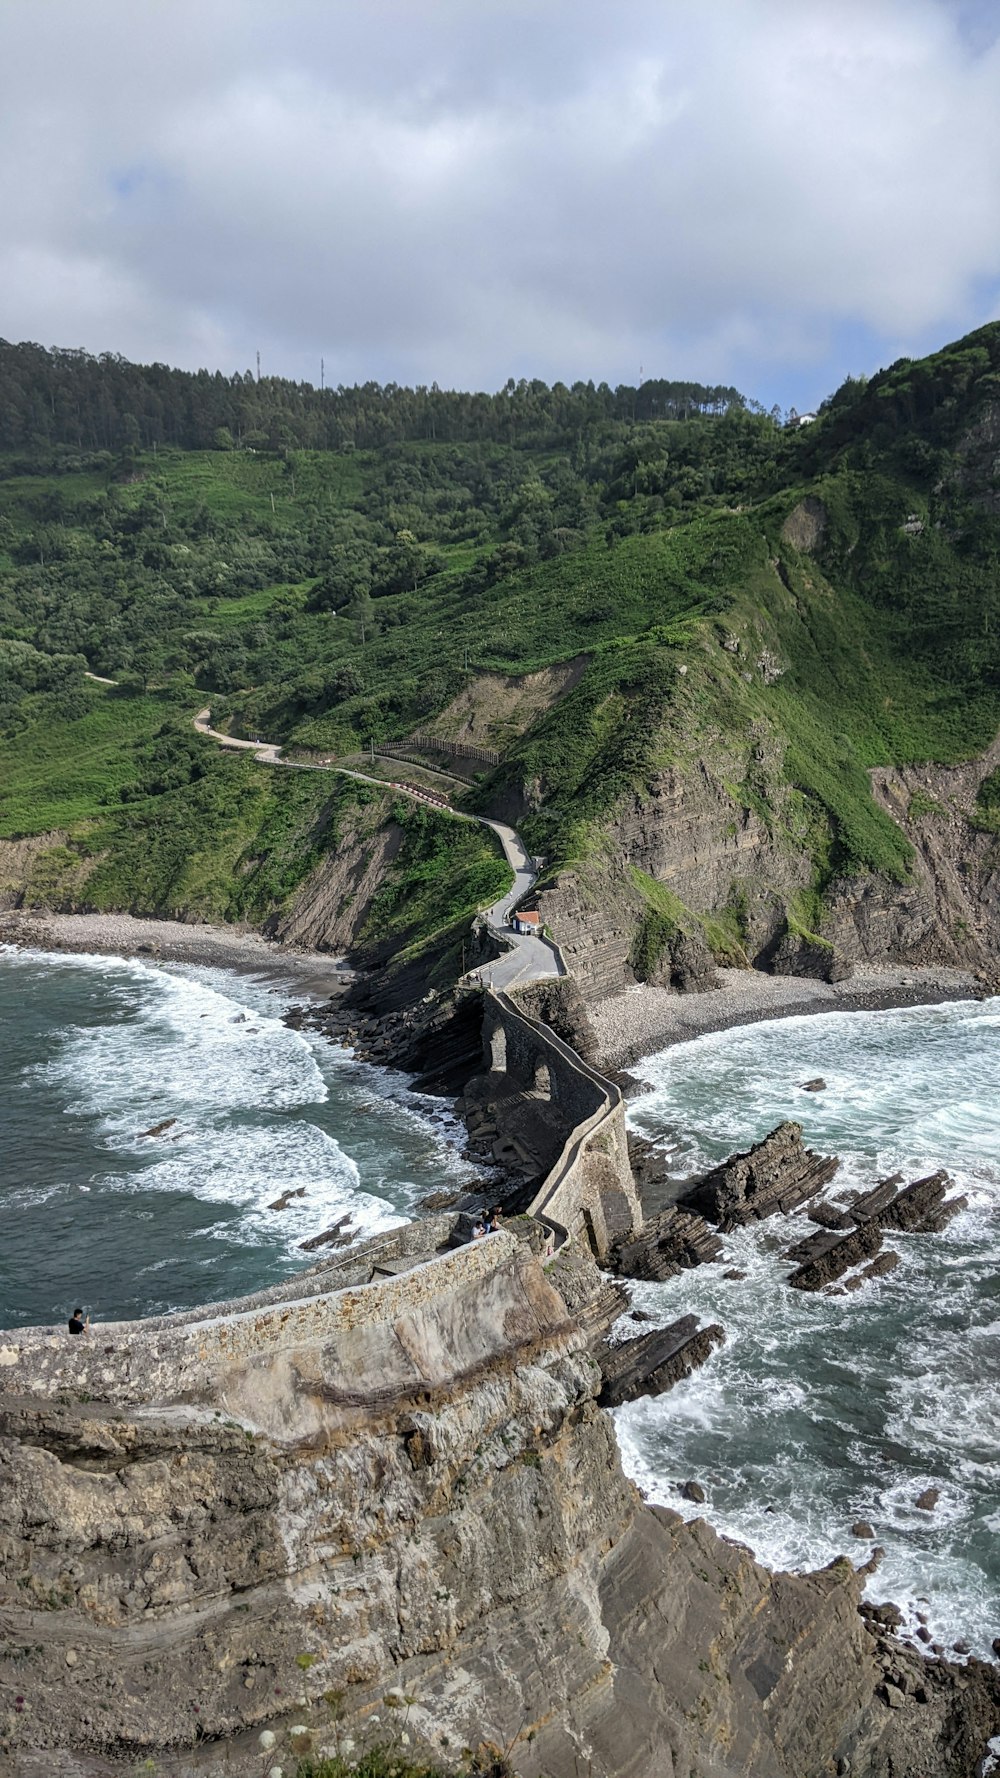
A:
94	1051
820	1411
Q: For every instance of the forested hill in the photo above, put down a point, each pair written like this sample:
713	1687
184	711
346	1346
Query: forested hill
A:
71	400
602	586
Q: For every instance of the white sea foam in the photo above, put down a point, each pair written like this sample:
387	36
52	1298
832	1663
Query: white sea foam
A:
819	1410
253	1110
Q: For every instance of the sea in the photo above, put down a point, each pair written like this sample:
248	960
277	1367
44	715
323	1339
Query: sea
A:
820	1411
96	1052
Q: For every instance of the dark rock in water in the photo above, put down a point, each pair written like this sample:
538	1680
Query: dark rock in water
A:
734	1275
887	1615
654	1362
928	1500
440	1200
919	1208
640	1315
158	1129
861	1528
333	1236
672	1242
285	1199
813	1086
961	1647
777	1175
880	1267
830	1256
995	1645
693	1491
923	1634
828	1216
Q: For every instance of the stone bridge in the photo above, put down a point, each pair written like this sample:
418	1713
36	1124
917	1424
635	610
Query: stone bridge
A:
590	1193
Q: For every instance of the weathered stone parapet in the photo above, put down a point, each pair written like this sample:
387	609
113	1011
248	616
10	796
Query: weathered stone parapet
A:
590	1192
375	1339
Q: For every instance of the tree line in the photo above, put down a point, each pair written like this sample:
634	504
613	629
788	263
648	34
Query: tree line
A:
72	400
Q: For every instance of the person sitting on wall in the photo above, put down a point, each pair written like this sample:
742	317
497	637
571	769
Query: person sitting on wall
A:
76	1323
493	1220
479	1231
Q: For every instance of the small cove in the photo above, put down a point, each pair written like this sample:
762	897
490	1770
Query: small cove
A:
94	1051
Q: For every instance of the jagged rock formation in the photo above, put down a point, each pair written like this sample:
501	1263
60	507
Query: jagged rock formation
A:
671	1243
406	1484
775	1176
921	1208
653	1362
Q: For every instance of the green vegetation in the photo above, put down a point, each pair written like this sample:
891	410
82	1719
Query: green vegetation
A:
328	567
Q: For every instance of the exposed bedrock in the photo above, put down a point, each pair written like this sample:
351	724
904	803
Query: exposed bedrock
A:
688	832
653	1362
409	1483
921	1208
670	1243
775	1176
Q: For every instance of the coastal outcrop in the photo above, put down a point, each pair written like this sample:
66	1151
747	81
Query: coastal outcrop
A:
670	1243
400	1482
774	1177
653	1362
922	1208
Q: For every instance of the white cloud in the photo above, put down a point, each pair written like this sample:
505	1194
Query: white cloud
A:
442	189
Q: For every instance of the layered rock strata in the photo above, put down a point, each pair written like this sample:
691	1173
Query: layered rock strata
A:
653	1362
922	1208
774	1177
670	1243
406	1484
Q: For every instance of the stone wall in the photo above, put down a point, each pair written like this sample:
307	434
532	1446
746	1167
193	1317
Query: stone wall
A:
590	1193
366	1333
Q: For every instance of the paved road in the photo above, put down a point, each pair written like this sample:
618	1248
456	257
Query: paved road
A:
529	958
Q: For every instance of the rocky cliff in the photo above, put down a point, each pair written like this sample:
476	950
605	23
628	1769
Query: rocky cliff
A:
215	1523
735	880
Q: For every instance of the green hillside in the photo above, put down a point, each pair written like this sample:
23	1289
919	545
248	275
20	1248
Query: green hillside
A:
326	597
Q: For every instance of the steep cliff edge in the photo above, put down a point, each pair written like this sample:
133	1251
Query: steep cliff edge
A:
405	1484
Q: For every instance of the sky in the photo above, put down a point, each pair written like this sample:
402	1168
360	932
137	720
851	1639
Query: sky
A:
767	193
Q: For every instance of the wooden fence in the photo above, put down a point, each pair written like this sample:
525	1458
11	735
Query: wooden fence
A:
432	744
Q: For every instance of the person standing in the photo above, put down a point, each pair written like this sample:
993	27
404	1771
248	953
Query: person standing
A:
77	1325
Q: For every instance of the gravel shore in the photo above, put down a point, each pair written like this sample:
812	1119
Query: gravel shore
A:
644	1020
173	941
629	1026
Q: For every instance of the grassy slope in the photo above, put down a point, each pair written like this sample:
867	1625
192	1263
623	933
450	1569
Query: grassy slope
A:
233	844
852	628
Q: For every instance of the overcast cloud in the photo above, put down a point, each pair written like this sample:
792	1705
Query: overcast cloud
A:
764	192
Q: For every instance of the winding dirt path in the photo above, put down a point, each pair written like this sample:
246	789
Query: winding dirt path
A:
529	958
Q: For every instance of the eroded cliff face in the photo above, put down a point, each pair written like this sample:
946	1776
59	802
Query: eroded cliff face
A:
950	911
207	1525
693	836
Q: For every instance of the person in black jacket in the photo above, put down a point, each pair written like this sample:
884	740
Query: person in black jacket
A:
77	1325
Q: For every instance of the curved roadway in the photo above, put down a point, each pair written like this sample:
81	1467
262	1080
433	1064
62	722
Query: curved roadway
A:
529	958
